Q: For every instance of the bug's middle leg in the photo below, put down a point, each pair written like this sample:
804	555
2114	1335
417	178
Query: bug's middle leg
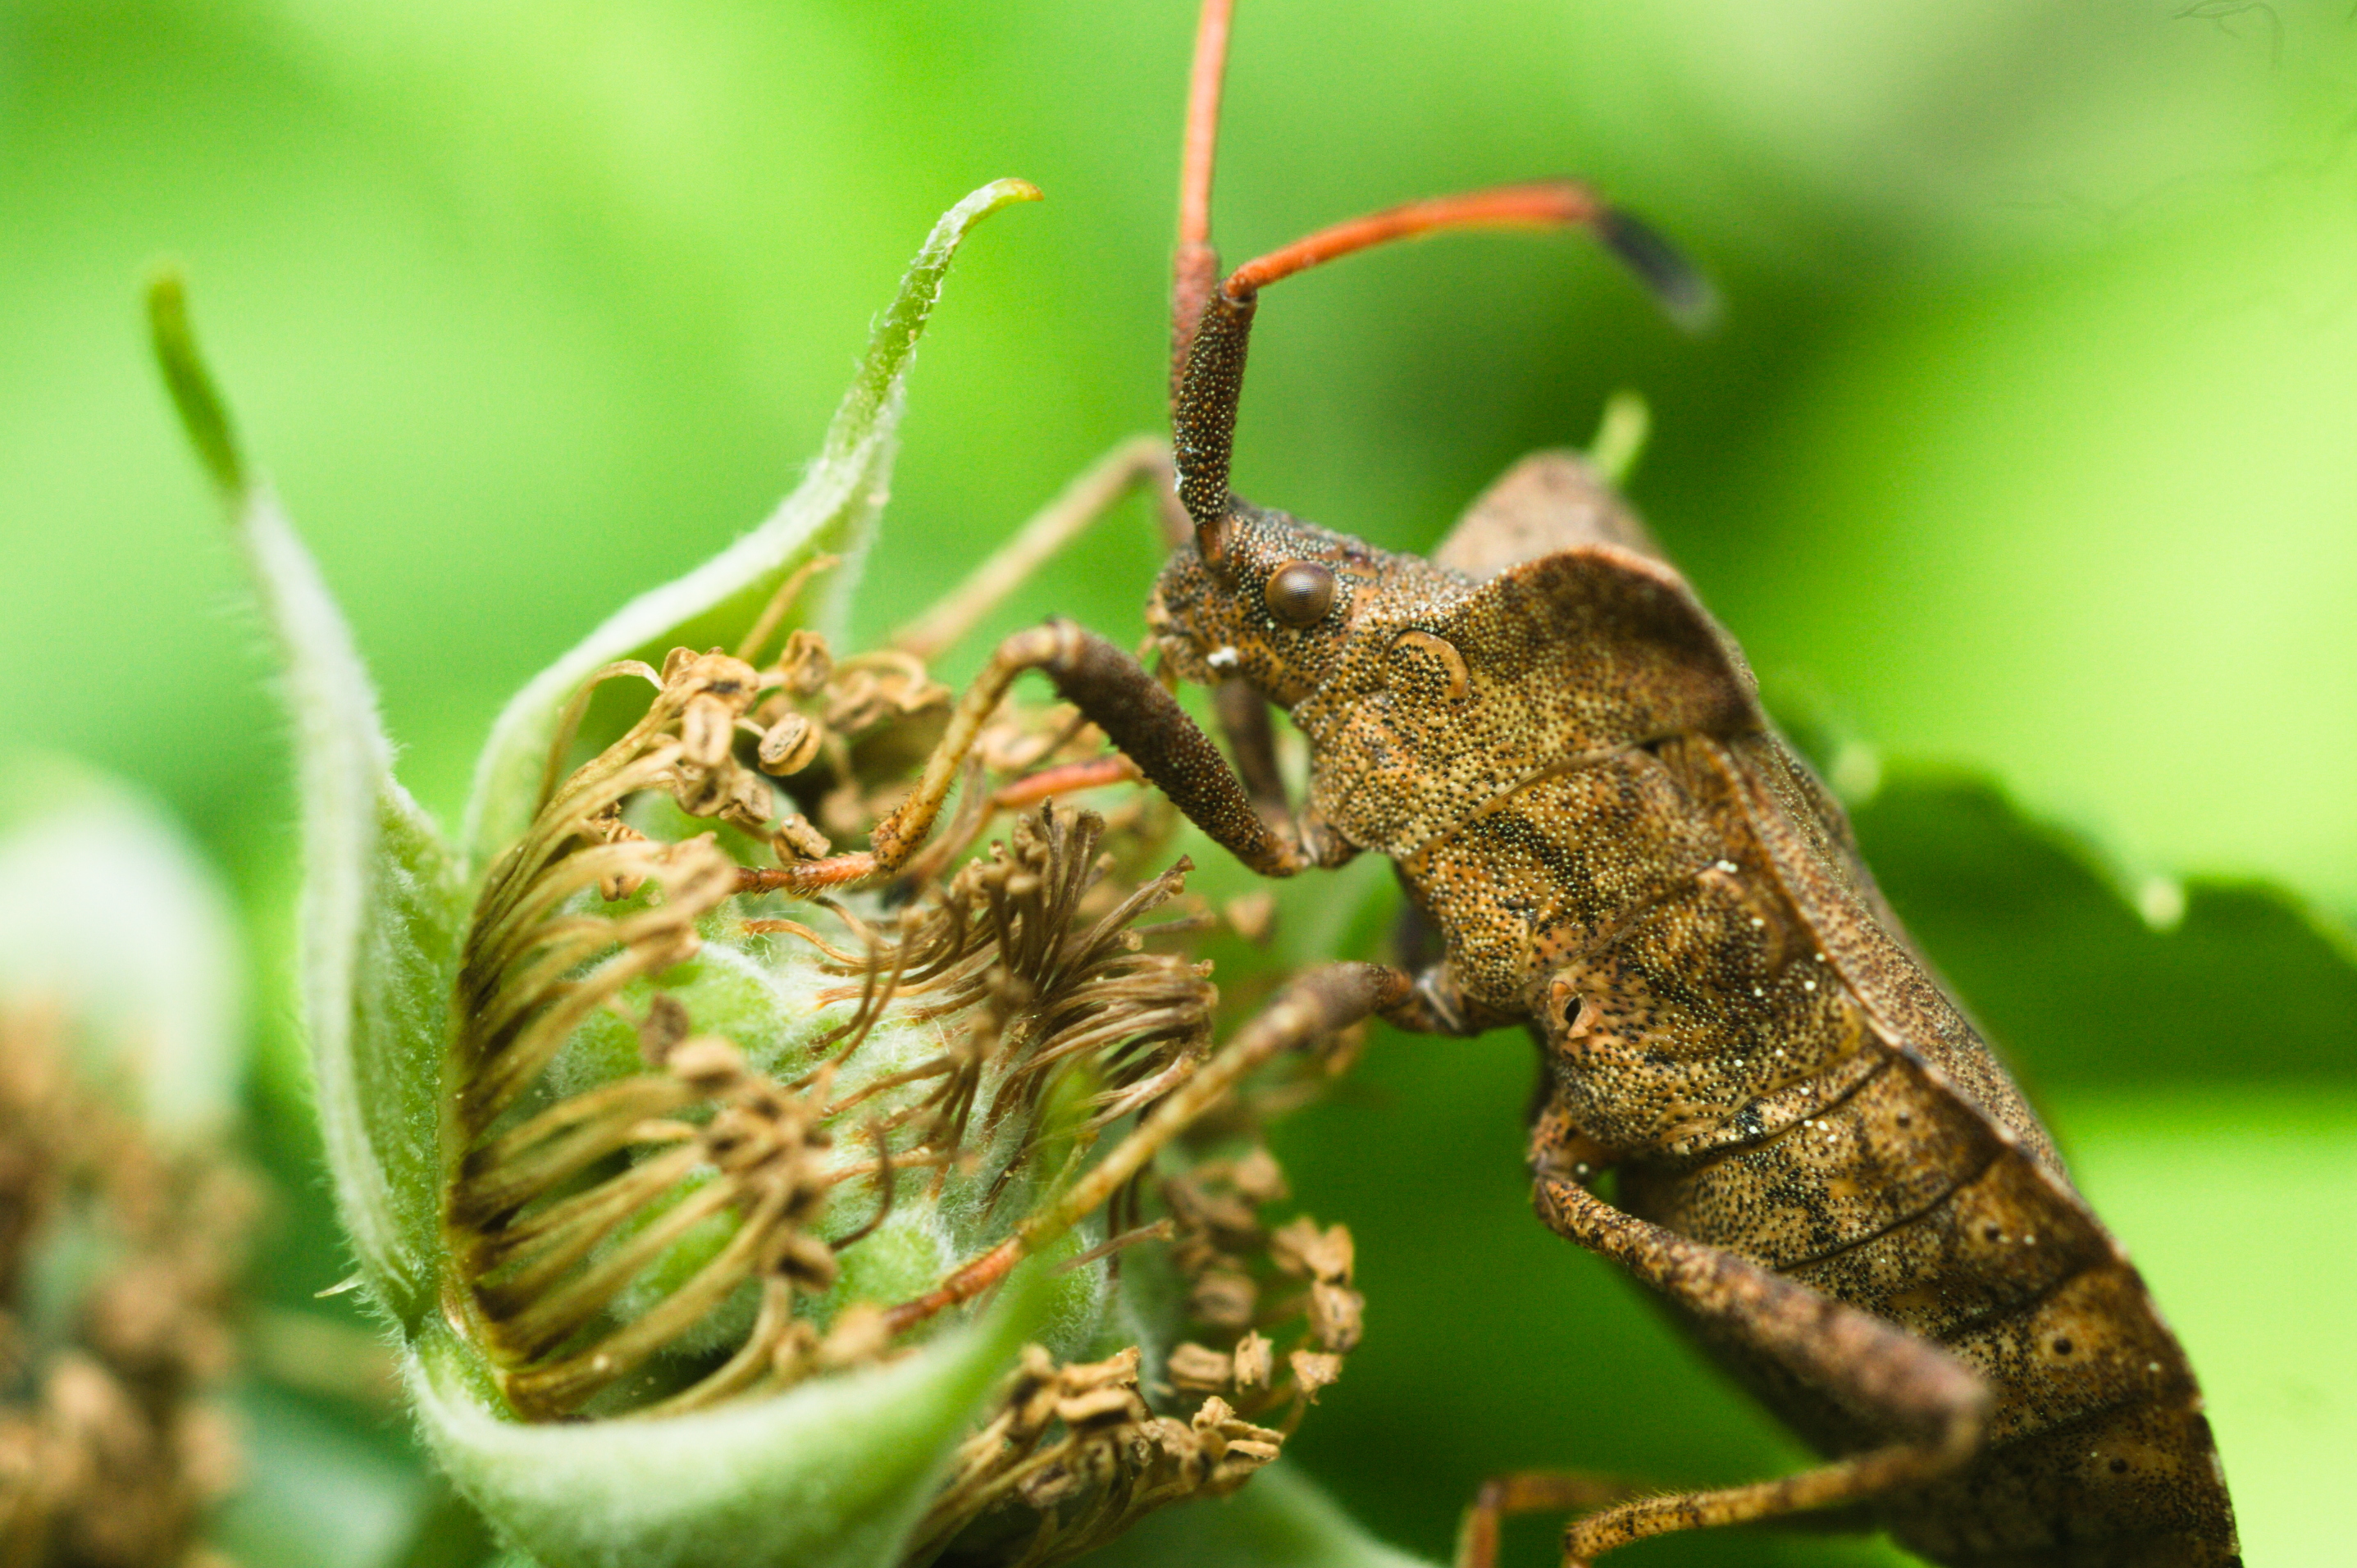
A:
1898	1381
1317	1002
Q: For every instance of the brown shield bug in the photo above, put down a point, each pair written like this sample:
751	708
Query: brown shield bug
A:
1814	1159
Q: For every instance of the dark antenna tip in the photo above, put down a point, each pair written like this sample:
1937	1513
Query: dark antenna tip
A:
1668	273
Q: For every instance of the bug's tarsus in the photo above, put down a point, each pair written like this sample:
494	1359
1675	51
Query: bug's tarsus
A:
1528	1491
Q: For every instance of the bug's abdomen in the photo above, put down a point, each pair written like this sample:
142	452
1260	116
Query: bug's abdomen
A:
1900	1200
1758	1109
1699	1033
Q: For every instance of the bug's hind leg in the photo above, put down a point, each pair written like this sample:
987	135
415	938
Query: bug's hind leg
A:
1891	1380
1527	1491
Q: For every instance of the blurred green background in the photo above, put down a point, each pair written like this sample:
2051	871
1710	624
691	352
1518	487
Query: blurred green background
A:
2024	449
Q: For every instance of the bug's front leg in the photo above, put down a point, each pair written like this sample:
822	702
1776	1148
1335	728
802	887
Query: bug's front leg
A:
1120	696
1894	1380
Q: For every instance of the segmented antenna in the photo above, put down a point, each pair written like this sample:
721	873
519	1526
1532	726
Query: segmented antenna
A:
1195	271
1211	323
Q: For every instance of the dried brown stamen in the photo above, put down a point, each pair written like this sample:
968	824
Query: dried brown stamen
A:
111	1450
1072	1455
559	1210
1004	943
653	1243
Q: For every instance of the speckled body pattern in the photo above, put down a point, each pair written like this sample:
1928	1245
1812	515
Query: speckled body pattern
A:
1565	759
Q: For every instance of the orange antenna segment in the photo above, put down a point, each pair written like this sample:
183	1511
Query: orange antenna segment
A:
1202	124
1548	204
1196	266
1684	292
1211	376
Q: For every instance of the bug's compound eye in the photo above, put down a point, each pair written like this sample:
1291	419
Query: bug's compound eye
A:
1299	593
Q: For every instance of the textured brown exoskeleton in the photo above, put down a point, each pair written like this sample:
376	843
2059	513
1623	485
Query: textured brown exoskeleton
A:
1819	1165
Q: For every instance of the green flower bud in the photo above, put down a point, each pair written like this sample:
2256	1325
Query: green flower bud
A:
715	1227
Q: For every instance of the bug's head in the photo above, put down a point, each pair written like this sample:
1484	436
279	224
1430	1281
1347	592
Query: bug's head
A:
1276	606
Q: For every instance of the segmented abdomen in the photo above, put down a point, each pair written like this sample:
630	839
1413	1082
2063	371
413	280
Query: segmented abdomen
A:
2097	1452
1754	1081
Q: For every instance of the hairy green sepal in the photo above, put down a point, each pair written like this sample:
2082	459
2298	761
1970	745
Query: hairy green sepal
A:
836	1471
833	510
